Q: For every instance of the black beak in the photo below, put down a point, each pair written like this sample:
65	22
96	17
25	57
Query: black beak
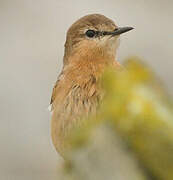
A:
121	30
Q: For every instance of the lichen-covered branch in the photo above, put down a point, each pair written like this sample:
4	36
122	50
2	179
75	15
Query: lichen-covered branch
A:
132	135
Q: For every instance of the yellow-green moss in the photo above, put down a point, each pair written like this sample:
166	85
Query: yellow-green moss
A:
139	111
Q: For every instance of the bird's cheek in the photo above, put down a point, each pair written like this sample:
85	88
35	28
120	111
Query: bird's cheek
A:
114	43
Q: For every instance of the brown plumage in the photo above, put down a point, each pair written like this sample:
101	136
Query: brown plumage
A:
76	92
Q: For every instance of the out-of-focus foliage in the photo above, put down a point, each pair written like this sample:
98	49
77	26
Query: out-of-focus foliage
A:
132	135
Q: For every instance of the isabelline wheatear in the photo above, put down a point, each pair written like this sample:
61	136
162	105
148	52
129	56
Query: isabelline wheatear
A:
91	46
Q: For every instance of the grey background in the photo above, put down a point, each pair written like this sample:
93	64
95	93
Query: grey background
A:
32	35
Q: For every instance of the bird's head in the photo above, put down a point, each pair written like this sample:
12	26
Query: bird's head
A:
93	36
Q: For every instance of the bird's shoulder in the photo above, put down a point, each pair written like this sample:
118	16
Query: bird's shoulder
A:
55	90
66	88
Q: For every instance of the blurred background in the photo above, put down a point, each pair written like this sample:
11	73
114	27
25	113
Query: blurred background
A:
32	35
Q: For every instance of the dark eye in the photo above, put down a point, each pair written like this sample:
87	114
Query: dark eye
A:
90	33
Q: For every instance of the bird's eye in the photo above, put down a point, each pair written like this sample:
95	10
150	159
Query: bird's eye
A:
90	33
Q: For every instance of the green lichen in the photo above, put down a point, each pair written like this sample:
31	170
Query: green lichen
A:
139	113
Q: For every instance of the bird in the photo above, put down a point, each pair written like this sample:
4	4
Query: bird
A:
91	46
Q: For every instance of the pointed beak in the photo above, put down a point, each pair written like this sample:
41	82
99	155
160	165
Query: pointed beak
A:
121	30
